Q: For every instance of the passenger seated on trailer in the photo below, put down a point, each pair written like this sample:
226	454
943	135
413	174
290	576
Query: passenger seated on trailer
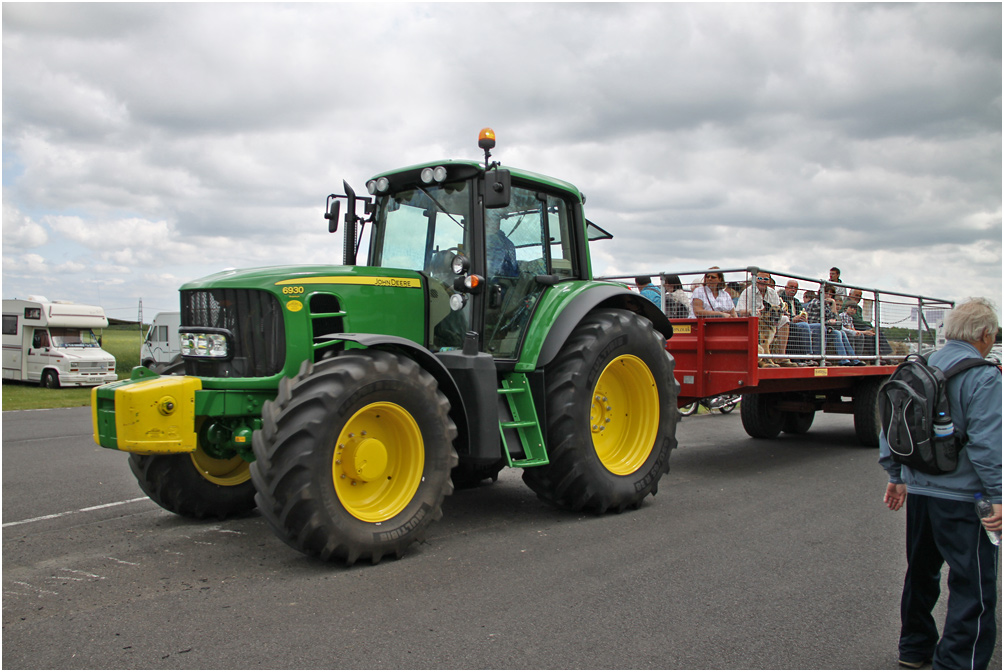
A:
710	298
798	337
735	289
648	290
857	338
676	298
865	328
821	315
761	301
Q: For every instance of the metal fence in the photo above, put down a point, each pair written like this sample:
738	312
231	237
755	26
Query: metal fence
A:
849	324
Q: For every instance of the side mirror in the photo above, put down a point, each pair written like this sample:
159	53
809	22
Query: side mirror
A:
498	188
331	213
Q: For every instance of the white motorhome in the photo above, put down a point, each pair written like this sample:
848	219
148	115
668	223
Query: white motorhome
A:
52	343
163	342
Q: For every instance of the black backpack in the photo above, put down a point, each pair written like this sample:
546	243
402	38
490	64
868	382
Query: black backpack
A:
909	403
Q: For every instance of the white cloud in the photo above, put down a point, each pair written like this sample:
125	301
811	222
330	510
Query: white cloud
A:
170	141
20	231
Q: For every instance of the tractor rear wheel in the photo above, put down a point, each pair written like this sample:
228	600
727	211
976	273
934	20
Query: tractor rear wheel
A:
611	409
353	460
196	485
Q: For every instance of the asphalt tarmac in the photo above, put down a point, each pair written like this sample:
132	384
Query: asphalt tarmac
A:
754	554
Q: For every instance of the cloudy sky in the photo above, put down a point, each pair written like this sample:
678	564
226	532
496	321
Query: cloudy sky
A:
147	145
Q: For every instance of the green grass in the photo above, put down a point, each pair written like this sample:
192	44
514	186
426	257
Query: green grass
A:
122	342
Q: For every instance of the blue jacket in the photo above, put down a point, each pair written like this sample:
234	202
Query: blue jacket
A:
651	292
974	397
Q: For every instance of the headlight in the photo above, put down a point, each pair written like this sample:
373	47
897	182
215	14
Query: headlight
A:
378	186
437	174
460	264
204	345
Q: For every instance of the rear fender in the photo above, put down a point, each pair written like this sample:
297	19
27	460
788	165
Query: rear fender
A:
563	307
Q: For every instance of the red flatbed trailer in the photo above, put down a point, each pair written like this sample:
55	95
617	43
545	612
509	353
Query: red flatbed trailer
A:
720	355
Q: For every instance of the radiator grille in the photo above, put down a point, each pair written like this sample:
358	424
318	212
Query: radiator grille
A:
254	317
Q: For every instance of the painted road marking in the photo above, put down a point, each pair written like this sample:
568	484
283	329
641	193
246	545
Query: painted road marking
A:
67	513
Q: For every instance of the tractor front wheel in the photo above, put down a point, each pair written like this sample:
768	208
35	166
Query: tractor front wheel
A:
354	457
611	409
196	485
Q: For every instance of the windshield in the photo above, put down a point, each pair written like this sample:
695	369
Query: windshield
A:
416	228
73	338
422	229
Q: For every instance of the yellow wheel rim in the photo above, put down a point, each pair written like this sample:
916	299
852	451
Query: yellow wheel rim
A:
228	472
378	462
624	416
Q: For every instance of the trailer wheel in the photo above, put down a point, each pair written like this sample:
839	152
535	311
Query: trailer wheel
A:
797	423
867	418
196	485
50	379
354	457
611	409
760	416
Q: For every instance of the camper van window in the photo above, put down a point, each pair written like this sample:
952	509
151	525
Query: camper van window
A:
33	313
40	339
10	325
78	338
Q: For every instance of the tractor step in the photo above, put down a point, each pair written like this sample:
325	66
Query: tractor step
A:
516	390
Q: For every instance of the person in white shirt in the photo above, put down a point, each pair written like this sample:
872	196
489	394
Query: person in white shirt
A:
749	305
710	298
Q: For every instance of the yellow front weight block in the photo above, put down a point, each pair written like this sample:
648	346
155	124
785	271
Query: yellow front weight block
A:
152	416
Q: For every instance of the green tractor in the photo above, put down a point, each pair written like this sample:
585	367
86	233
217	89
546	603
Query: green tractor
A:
345	402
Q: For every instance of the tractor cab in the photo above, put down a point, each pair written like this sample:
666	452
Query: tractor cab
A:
488	240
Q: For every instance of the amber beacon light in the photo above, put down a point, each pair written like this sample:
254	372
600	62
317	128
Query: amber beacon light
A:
486	138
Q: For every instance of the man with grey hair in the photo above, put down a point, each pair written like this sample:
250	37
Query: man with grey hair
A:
941	521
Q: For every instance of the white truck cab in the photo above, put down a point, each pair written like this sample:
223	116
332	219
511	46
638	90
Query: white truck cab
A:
163	342
53	343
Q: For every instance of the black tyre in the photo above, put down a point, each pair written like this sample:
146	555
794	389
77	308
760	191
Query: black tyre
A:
196	485
760	416
797	423
50	379
354	457
689	409
611	409
867	419
467	475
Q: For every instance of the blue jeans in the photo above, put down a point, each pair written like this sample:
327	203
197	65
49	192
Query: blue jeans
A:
799	342
836	336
